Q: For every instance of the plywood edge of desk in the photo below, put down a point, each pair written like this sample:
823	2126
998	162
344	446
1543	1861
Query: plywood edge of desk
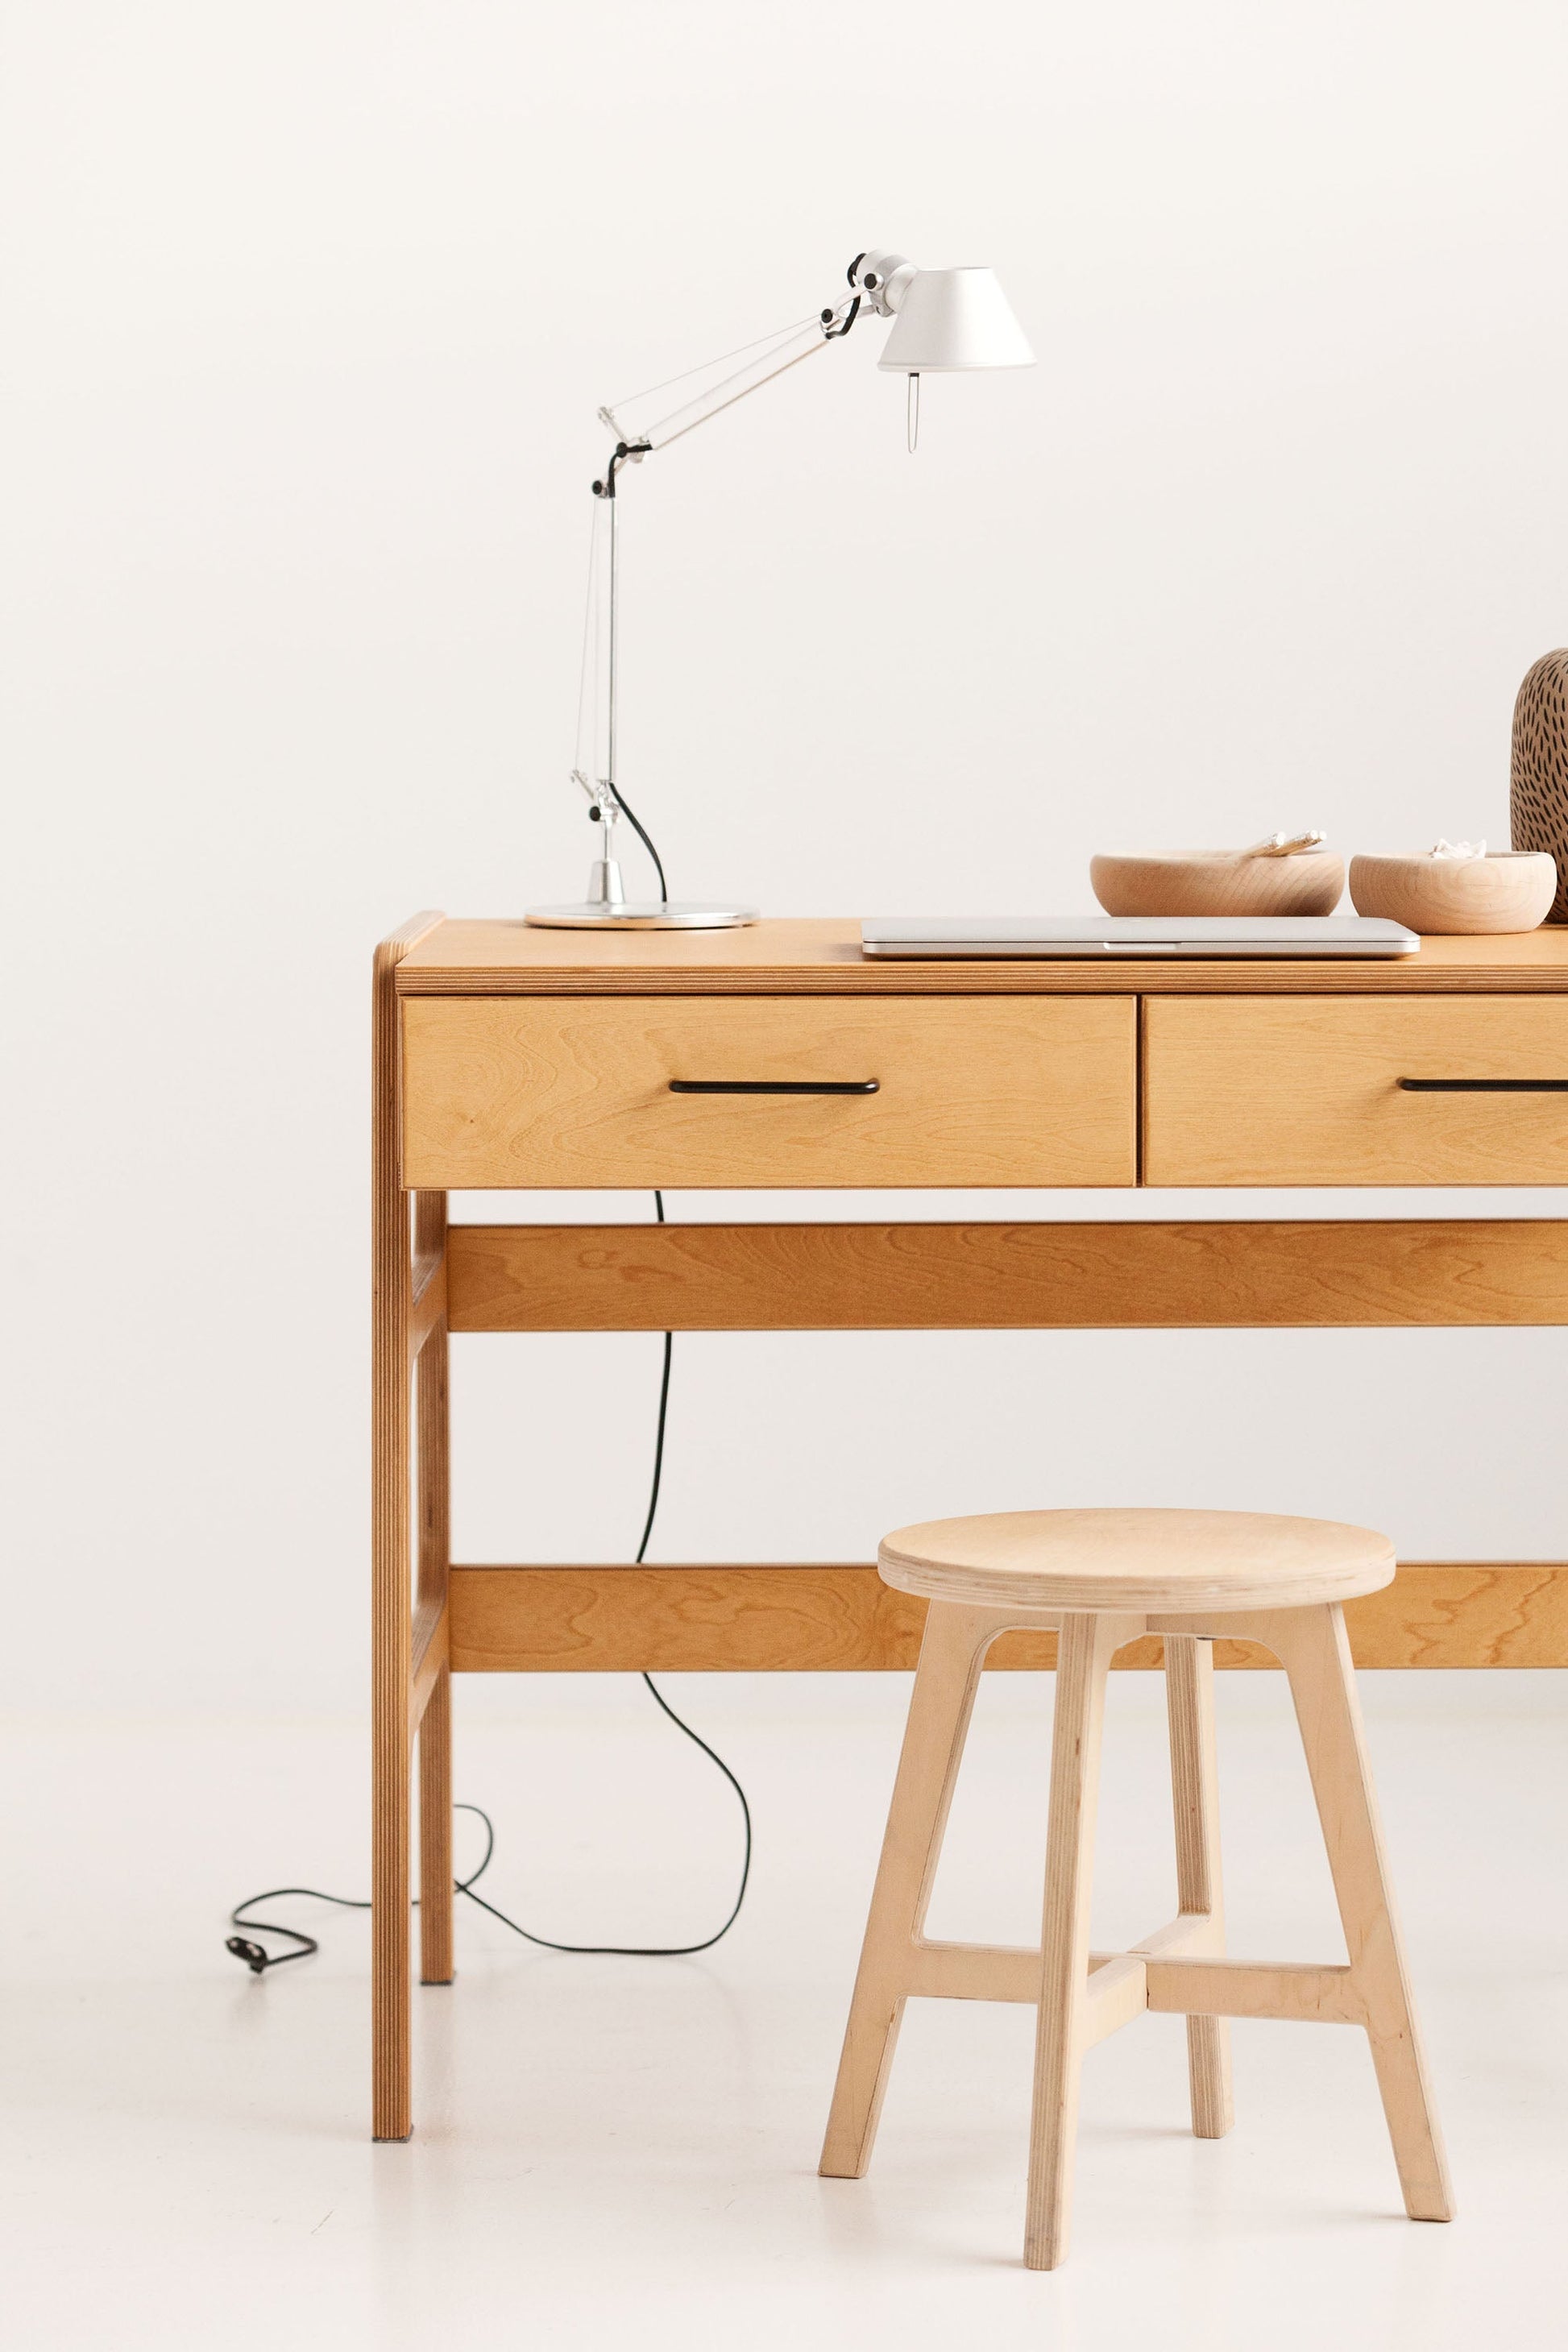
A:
829	1618
820	955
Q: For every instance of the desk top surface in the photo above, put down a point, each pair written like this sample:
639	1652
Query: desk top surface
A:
819	955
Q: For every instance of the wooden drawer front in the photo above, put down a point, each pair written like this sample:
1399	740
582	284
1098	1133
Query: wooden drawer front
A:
1305	1090
501	1092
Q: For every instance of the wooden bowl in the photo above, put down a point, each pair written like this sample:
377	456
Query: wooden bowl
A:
1217	882
1507	890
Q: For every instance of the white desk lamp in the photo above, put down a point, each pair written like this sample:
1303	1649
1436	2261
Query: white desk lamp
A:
944	321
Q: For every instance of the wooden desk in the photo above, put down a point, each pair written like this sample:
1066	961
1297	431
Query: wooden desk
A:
507	1057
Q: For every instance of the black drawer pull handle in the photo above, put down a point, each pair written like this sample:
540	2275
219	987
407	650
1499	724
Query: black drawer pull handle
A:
1485	1085
773	1085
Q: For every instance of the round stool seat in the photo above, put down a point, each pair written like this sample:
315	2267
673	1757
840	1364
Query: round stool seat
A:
1171	1561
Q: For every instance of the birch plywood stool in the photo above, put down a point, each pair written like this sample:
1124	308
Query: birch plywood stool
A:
1102	1578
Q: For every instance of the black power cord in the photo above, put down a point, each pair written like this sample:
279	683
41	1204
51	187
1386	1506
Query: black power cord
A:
256	1957
645	839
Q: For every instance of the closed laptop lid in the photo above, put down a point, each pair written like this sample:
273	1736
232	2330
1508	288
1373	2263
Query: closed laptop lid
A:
1135	935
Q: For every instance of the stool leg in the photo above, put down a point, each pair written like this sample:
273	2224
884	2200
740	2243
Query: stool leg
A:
1083	1655
951	1654
1312	1645
1195	1793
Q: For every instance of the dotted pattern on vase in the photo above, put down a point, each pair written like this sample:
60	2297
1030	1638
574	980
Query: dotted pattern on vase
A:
1537	769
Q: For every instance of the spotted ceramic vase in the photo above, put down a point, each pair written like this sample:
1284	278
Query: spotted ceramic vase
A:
1537	769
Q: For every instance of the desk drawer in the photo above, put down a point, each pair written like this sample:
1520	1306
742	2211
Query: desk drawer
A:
512	1091
1306	1090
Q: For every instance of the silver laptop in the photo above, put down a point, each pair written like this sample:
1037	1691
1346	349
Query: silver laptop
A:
1136	935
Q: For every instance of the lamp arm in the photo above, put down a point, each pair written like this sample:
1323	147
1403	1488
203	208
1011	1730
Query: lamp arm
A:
831	326
631	452
605	802
718	407
877	281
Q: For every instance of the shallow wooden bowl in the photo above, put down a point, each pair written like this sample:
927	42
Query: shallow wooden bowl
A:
1216	882
1507	890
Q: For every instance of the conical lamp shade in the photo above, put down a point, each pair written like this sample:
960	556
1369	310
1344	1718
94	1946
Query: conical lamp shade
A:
952	319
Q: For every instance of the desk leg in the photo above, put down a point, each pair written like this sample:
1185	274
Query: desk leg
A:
392	1613
433	1442
390	1825
391	1629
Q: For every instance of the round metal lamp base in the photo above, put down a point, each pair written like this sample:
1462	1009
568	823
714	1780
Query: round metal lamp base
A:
653	915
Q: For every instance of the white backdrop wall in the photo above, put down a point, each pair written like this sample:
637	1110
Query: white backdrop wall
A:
309	309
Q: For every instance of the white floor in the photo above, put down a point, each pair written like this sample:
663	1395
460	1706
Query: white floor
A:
621	2152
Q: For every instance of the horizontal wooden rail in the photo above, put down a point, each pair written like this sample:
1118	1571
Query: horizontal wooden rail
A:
1283	1989
844	1619
972	1971
1156	1974
1432	1272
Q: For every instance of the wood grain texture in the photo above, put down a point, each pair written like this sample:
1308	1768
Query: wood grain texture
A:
1507	890
430	1655
1011	1091
1218	882
429	1314
954	1972
391	1584
1060	2037
1257	1091
1312	1647
1081	1995
1205	1991
829	1618
951	1658
817	955
993	1277
432	1444
1138	1558
1195	1805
